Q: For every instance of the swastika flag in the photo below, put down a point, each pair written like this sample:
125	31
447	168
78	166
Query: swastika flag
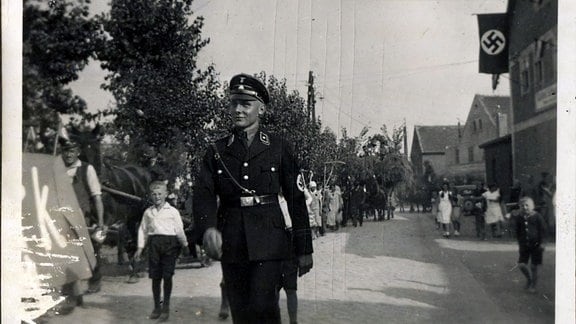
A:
494	41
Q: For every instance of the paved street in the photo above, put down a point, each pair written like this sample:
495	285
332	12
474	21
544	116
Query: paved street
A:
396	271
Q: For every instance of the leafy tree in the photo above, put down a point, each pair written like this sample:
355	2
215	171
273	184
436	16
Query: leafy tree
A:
287	115
376	160
58	39
162	99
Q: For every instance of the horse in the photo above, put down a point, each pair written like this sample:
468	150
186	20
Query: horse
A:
376	199
124	192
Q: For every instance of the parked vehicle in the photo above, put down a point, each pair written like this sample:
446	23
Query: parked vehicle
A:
467	193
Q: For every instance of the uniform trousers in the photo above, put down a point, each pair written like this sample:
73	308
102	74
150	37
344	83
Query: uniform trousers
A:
253	290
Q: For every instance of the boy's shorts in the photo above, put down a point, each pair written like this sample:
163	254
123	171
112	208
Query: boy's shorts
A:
163	251
289	274
530	252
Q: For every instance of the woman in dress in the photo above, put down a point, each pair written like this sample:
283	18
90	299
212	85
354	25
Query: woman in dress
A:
457	212
493	215
445	208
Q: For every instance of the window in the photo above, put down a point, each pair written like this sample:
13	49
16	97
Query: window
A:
524	75
538	72
471	154
474	126
479	124
457	156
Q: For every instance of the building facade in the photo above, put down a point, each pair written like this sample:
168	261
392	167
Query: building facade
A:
429	148
533	30
488	119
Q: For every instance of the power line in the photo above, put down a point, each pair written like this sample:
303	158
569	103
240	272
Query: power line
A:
274	33
334	106
297	22
353	58
325	59
339	72
380	75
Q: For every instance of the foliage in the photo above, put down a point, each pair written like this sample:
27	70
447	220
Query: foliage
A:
163	100
377	157
286	114
58	41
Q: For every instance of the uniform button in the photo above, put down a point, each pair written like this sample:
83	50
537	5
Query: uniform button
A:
219	171
245	164
273	169
245	177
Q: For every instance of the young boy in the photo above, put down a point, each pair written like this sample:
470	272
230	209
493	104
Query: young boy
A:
162	230
530	229
290	284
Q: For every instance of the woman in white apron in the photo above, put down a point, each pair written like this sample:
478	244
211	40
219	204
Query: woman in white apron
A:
445	208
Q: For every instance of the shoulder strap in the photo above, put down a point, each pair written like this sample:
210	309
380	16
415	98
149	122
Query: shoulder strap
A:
83	172
217	157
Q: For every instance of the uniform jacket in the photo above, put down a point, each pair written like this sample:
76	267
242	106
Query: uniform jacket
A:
253	233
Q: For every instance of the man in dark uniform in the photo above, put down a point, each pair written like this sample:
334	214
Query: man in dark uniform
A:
246	171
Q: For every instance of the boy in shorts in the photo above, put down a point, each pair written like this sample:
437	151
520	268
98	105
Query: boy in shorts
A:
162	230
530	229
290	283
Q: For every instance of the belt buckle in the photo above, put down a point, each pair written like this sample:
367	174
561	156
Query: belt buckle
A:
246	201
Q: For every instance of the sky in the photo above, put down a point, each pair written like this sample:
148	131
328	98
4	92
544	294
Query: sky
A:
375	62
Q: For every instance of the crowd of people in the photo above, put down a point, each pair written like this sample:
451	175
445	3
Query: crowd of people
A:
521	217
252	216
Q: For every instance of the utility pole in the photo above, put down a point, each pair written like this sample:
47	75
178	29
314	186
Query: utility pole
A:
405	140
311	97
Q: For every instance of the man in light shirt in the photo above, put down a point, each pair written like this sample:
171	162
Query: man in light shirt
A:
89	194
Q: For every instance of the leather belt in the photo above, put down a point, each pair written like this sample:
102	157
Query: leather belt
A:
250	201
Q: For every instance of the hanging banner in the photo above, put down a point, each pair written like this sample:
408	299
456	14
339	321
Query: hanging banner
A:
494	41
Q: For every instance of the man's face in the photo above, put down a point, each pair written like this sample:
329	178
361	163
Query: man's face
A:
158	195
245	113
70	156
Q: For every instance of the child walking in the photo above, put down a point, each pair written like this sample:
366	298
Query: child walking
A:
530	229
162	231
290	284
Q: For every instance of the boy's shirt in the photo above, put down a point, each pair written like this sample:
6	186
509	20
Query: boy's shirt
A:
163	221
530	229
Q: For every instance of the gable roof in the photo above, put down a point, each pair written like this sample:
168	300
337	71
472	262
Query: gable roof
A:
493	105
434	139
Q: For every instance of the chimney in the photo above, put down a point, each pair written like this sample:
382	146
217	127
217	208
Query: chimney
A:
459	131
